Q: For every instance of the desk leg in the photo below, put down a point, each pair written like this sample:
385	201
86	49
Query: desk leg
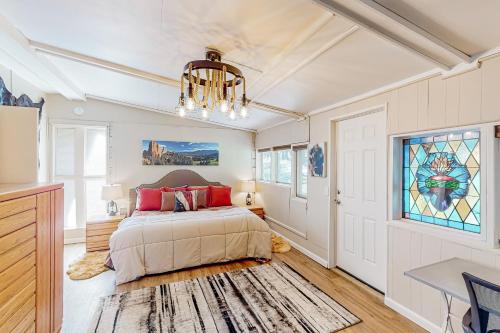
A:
447	323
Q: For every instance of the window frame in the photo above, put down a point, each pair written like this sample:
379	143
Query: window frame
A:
296	150
276	151
489	227
79	177
274	165
261	165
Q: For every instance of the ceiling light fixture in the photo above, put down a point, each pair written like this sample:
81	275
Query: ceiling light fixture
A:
212	85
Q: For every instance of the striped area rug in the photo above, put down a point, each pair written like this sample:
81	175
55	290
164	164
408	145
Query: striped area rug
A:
265	298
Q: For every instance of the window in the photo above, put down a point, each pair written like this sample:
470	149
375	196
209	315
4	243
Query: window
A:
266	163
80	156
284	166
441	180
301	172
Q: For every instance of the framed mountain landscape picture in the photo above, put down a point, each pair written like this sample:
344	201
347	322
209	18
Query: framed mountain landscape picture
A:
179	153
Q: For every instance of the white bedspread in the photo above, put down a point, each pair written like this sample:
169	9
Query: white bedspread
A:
154	244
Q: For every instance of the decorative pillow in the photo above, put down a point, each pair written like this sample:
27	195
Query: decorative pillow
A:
203	195
167	201
149	198
220	196
185	201
173	189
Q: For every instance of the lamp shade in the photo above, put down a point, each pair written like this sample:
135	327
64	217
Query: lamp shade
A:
247	186
111	192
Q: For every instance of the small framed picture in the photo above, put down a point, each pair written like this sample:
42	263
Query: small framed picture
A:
317	159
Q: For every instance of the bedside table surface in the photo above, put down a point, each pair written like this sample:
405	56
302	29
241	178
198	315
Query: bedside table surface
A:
251	206
104	219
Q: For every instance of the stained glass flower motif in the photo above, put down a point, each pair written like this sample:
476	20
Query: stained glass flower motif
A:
442	180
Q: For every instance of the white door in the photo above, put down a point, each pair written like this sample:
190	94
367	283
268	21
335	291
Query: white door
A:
362	198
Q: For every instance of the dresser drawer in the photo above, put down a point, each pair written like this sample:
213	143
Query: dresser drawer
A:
17	237
15	222
12	207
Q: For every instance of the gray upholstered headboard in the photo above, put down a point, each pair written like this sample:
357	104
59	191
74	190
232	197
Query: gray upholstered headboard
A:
172	179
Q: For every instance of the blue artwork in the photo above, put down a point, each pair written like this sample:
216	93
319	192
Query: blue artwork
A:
317	160
179	153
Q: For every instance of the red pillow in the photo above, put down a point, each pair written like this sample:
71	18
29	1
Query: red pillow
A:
220	196
149	198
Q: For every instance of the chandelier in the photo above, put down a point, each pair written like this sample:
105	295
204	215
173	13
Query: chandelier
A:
212	85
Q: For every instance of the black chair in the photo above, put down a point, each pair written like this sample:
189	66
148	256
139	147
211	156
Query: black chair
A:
484	313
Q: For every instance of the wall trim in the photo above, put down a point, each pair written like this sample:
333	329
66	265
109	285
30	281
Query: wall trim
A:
415	317
323	262
283	225
416	78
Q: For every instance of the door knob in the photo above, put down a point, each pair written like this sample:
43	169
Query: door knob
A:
337	201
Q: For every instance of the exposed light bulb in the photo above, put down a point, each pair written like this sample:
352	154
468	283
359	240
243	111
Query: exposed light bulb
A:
204	113
243	112
190	104
182	111
232	115
224	106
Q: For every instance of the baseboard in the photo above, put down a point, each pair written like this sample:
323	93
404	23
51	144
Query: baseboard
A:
74	240
416	318
313	256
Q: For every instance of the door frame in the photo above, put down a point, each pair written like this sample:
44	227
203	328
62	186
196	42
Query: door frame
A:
332	173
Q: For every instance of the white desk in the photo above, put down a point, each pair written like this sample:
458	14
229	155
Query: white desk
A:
446	276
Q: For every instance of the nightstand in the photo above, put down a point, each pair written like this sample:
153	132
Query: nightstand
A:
99	230
256	209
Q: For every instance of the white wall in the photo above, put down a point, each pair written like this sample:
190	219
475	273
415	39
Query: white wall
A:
436	103
129	126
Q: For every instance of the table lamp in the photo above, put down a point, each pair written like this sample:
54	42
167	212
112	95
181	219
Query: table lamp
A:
249	187
110	193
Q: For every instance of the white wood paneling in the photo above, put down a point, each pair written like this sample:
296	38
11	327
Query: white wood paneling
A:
431	299
416	261
423	104
470	97
410	249
408	108
452	101
490	108
437	116
400	260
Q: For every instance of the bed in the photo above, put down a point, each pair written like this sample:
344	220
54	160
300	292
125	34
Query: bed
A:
158	242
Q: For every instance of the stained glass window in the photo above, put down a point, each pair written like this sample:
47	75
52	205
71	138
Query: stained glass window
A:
441	180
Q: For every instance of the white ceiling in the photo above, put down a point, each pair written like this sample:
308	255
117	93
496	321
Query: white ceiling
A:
295	54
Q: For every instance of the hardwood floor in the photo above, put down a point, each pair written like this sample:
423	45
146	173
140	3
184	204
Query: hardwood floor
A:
80	297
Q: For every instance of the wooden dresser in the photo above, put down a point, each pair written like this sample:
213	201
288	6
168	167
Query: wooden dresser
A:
31	257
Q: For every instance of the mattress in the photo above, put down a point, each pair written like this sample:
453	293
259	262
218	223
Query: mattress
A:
159	242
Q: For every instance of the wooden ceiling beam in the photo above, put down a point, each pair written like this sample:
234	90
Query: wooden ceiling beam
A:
445	47
16	54
424	51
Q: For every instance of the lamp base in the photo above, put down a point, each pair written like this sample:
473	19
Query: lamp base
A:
112	208
249	199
